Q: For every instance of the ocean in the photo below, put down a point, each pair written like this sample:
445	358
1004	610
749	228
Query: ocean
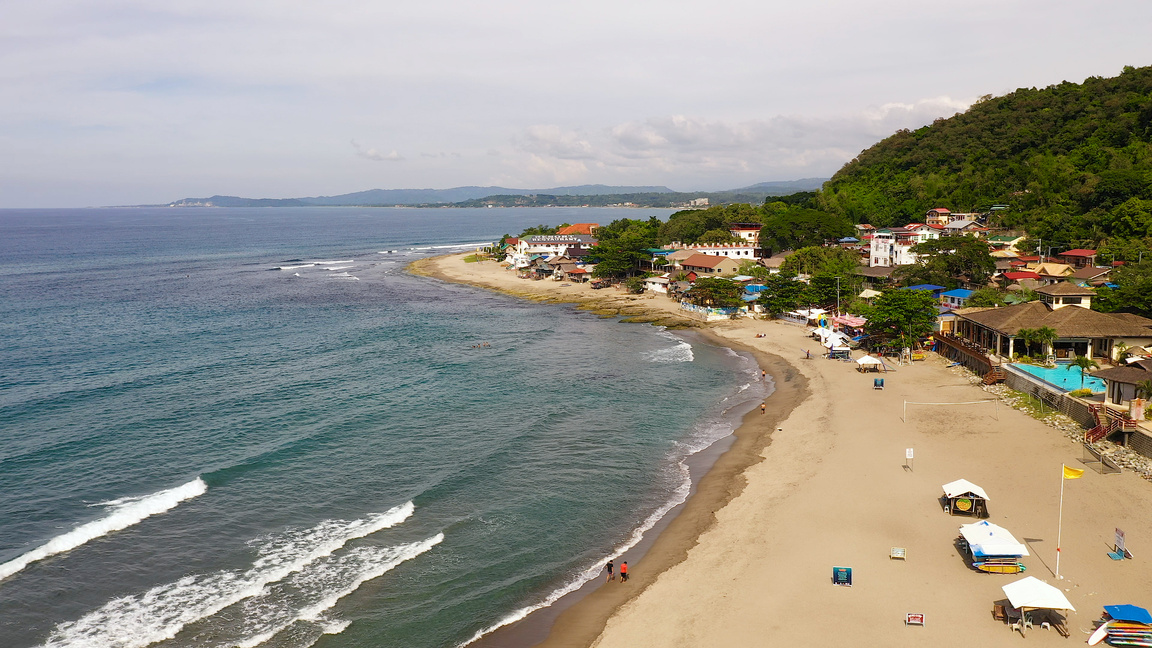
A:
250	427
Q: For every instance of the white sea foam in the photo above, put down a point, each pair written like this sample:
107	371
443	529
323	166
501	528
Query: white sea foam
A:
295	267
317	589
343	267
122	514
323	263
161	612
682	352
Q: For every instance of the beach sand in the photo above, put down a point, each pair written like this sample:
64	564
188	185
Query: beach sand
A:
749	559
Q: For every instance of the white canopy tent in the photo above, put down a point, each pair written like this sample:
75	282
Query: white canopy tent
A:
987	539
868	361
1031	592
962	487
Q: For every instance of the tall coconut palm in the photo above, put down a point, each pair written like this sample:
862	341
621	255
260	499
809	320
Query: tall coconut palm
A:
1084	363
1046	336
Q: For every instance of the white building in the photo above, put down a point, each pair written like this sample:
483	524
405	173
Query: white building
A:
891	246
737	251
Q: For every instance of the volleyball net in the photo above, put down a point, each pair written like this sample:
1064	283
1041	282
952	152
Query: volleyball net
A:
993	401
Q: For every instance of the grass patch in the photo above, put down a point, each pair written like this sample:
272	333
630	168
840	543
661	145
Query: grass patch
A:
473	258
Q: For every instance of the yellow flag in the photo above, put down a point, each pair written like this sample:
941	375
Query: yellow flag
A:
1072	473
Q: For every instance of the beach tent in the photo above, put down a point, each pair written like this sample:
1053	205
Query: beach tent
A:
966	498
986	539
868	293
1032	593
869	363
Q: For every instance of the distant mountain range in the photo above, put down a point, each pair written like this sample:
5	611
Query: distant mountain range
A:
414	197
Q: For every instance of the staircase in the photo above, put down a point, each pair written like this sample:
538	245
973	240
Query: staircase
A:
996	375
1107	422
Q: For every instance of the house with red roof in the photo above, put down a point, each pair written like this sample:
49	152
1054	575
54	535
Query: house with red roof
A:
580	228
938	216
709	265
1078	258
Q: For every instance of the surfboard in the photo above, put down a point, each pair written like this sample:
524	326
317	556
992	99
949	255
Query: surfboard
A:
1099	635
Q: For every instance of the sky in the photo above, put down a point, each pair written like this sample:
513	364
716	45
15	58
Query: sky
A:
124	102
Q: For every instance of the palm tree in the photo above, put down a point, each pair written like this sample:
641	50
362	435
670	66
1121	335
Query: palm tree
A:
1121	351
1046	336
1085	363
1028	337
1144	388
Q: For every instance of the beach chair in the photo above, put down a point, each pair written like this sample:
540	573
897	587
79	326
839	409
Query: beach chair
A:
877	383
898	552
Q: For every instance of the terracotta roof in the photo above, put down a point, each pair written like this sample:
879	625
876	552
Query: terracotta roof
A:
1079	252
1069	322
940	210
703	260
1066	288
579	228
1023	274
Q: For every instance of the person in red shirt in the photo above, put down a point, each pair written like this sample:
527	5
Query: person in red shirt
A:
624	572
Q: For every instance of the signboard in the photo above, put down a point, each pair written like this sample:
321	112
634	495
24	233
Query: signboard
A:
842	576
1119	541
908	453
913	619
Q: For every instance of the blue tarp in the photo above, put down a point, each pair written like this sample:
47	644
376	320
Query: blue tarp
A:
930	287
1129	613
849	239
755	288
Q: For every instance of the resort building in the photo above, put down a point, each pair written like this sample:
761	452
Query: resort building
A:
554	244
938	216
1078	258
955	298
1063	308
731	250
749	232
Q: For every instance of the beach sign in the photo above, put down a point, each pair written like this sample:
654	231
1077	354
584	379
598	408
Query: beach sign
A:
914	618
908	456
842	576
1119	541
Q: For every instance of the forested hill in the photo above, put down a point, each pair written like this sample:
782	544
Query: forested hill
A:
1073	162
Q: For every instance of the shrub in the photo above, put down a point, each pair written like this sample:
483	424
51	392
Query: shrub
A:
1080	393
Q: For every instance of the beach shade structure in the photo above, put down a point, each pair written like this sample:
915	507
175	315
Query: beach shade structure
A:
965	498
1029	595
870	363
993	549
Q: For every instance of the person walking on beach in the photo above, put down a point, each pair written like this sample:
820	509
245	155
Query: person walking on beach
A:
611	576
762	407
624	572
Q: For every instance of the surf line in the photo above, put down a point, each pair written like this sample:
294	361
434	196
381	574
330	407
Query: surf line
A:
122	514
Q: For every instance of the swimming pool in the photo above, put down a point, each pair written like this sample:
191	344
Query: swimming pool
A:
1063	377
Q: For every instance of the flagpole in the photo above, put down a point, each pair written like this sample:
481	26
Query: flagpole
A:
1060	523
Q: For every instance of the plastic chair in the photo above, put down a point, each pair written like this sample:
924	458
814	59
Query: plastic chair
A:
877	383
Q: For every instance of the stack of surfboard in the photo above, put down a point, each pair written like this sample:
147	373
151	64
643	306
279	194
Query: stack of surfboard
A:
1128	633
1125	625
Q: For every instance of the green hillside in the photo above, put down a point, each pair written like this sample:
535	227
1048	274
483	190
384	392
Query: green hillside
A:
1072	161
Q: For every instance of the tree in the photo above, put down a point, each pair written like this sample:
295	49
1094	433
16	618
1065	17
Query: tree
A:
985	297
752	269
814	260
903	315
715	292
797	227
1133	293
780	295
1084	363
718	236
539	230
1144	388
620	256
948	261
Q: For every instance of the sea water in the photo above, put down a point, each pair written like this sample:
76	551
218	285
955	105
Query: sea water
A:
250	427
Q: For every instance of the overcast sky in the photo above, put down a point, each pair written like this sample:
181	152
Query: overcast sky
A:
148	101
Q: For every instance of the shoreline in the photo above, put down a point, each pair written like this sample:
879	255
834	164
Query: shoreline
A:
579	617
832	486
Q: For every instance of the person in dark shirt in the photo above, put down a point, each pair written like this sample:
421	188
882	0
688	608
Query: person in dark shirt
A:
611	576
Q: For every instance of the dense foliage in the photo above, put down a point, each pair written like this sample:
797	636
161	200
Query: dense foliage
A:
1073	162
902	315
785	225
715	292
946	261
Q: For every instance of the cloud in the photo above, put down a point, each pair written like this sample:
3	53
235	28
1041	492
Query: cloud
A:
685	147
374	155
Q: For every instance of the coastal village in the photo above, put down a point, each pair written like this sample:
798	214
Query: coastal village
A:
1082	374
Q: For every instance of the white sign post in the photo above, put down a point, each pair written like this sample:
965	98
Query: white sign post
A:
908	459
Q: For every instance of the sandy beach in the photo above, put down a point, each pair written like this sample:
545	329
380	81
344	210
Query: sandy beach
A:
821	480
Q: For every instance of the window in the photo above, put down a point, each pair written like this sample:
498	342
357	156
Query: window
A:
1072	300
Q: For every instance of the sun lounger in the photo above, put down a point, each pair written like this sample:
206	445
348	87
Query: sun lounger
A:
877	383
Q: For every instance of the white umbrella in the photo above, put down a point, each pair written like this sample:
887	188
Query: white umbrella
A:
869	360
963	487
1031	592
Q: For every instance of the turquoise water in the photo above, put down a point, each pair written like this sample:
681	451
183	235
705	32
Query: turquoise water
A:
1063	377
225	427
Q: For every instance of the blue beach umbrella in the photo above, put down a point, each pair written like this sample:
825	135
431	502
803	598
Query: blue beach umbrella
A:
1129	613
